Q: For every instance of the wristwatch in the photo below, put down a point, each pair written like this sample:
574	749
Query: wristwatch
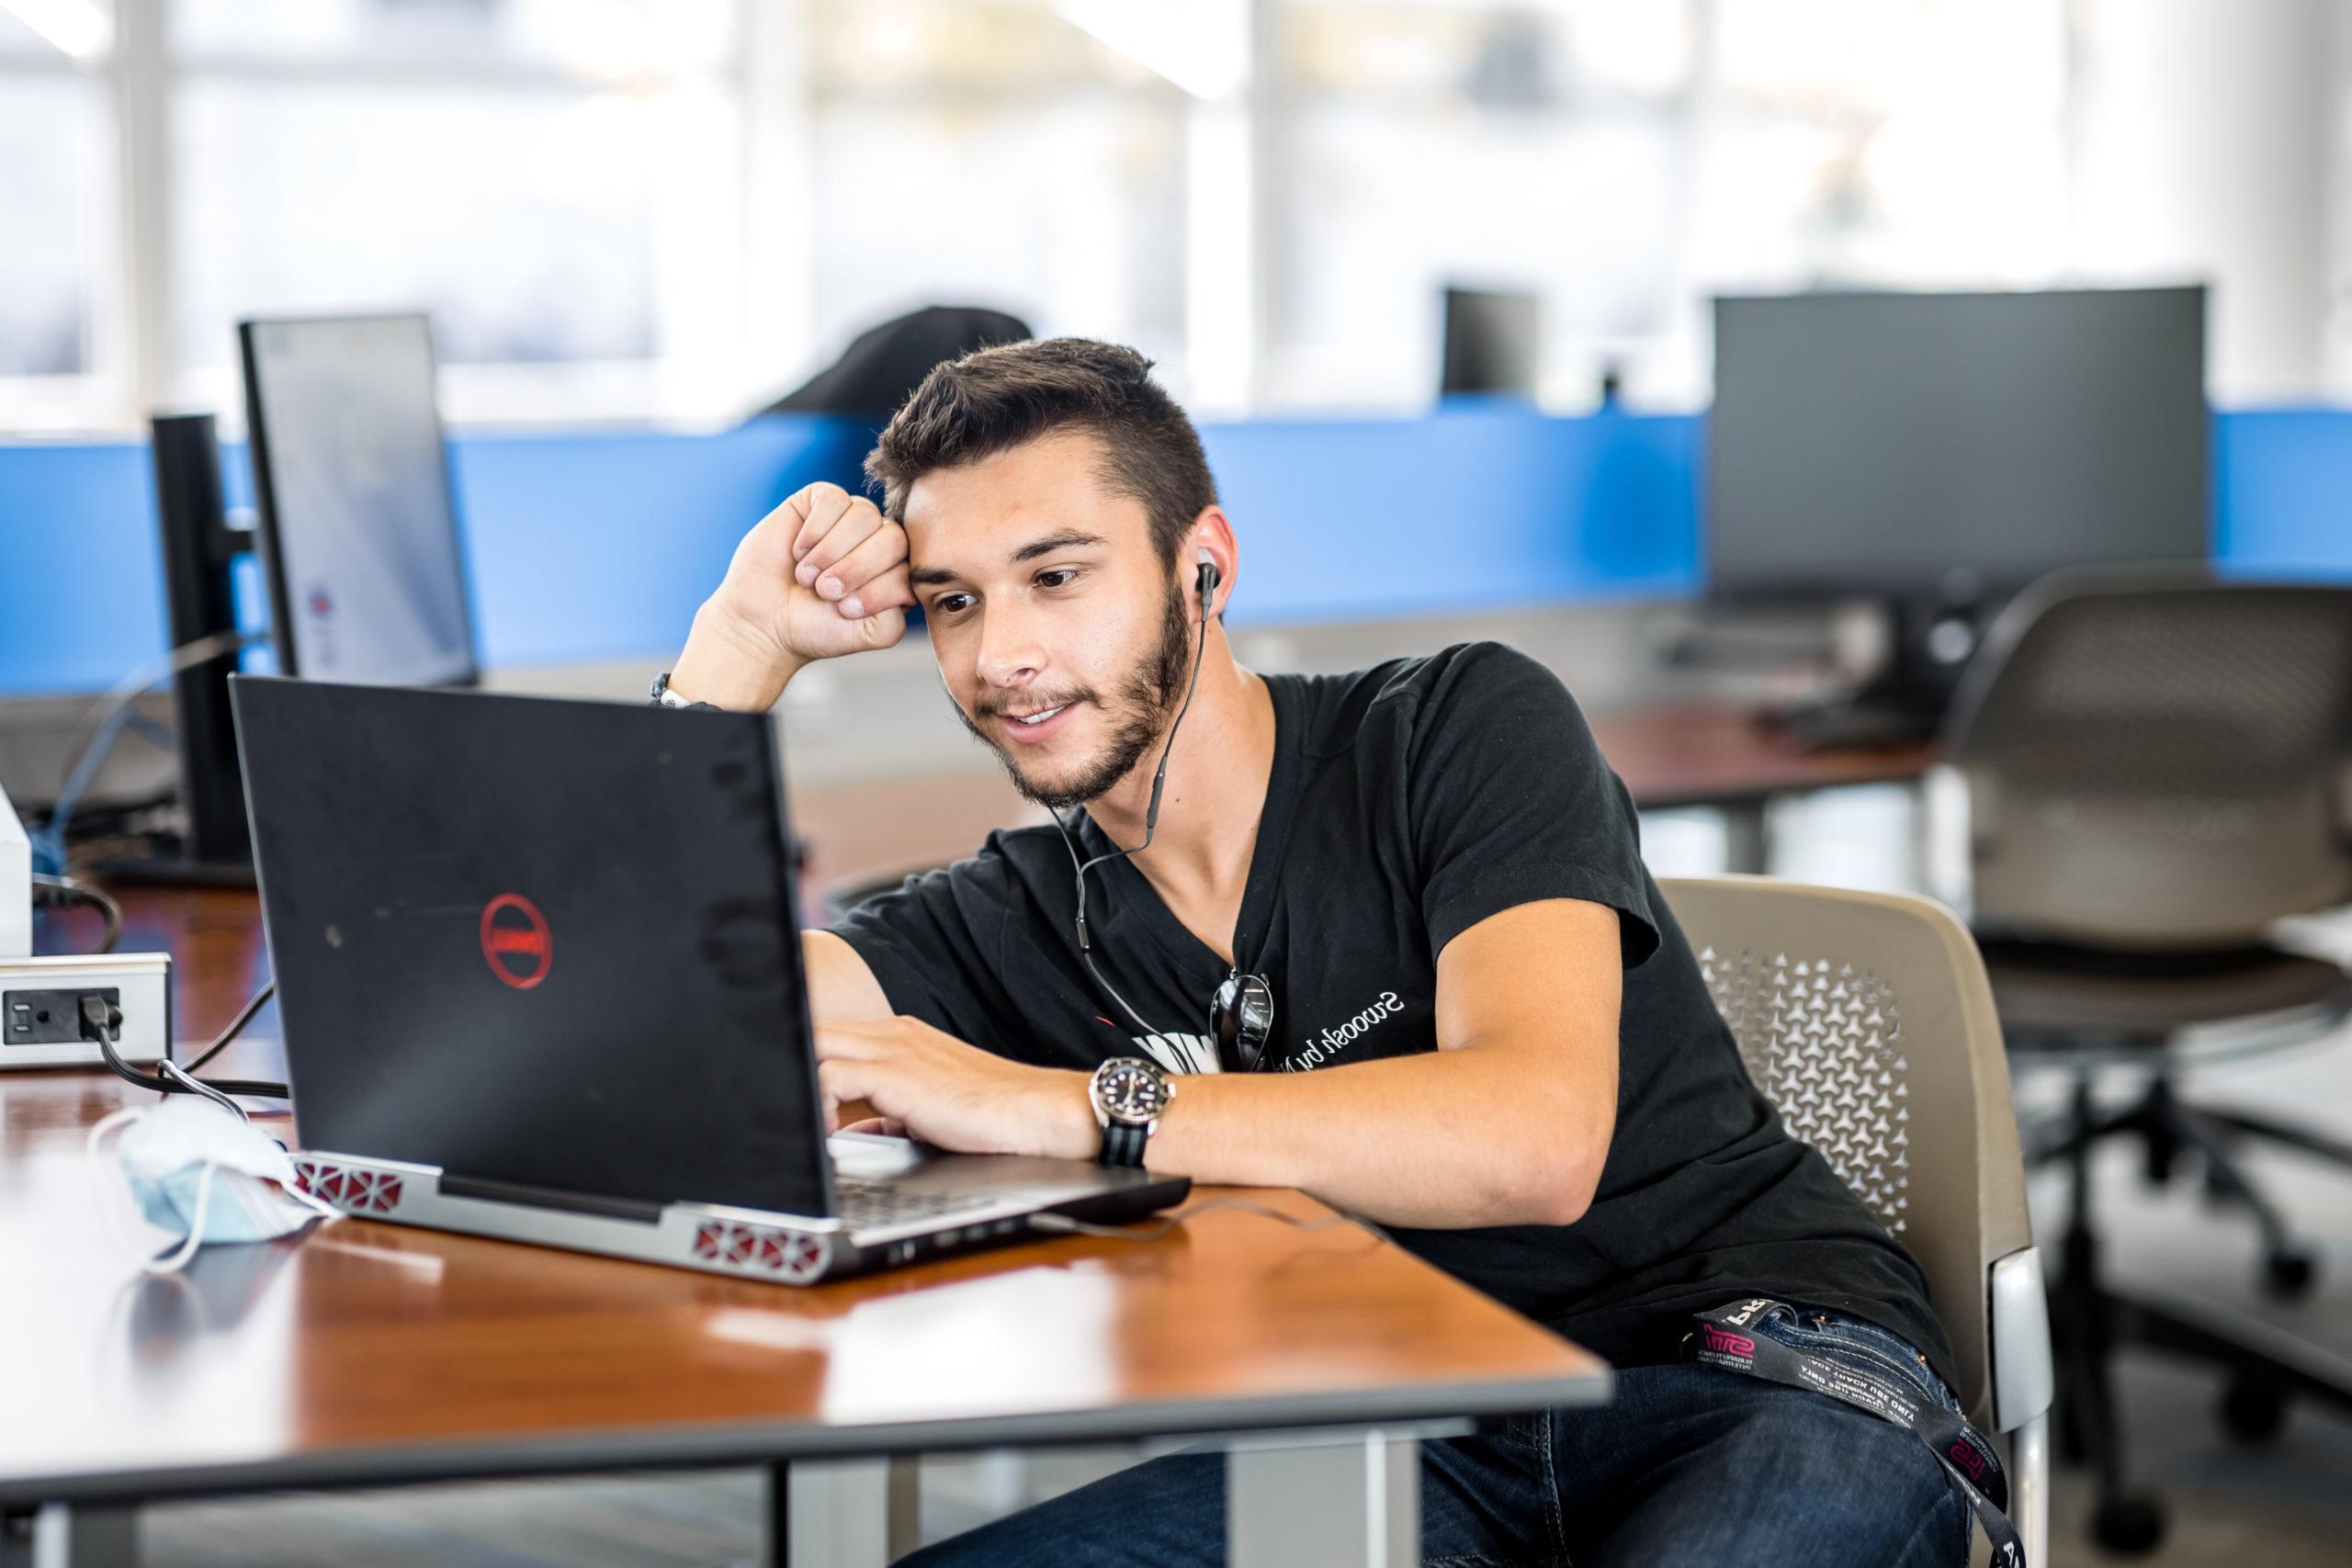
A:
664	697
1128	1094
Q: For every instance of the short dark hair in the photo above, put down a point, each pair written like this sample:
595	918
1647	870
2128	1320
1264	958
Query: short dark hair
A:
992	399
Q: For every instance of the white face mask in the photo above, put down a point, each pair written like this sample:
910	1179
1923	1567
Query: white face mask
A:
204	1173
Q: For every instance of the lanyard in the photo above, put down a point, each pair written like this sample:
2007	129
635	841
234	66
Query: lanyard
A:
1723	1339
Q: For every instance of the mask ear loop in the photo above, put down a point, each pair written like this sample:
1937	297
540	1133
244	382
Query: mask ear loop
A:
177	1260
98	1131
312	1201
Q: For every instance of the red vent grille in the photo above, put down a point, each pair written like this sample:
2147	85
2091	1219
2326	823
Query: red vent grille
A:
349	1187
761	1249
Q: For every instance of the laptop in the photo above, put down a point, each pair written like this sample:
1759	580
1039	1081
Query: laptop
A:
539	974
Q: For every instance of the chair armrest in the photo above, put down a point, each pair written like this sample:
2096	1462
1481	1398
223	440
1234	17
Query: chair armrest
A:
2018	1303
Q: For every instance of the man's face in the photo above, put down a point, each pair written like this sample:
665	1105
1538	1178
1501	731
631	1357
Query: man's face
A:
1060	636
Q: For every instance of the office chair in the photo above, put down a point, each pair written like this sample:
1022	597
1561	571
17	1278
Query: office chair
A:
1866	1018
2157	767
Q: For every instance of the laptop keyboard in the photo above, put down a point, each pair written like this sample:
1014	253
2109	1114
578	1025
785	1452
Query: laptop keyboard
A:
880	1205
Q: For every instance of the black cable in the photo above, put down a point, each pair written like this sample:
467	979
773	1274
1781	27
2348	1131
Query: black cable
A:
106	719
101	1018
65	890
1206	581
236	1025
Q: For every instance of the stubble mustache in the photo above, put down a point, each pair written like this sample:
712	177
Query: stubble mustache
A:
1147	699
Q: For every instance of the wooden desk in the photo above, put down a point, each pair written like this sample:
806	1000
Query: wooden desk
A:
376	1354
1716	754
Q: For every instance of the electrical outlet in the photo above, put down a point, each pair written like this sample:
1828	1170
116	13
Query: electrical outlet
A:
46	1017
138	983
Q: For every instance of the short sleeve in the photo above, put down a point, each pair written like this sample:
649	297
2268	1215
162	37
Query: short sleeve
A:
1510	801
934	943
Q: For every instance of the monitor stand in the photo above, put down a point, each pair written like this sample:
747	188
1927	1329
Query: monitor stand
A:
199	550
1854	721
169	870
1930	643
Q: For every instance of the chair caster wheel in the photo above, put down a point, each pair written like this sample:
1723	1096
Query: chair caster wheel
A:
2254	1409
2129	1527
2288	1274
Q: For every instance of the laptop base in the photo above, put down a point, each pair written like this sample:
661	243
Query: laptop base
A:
753	1244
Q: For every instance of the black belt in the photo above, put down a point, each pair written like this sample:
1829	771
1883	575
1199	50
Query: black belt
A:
1723	1339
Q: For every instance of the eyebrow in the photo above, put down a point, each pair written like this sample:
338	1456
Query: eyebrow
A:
1068	539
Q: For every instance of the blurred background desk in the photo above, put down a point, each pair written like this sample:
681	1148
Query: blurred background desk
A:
1716	755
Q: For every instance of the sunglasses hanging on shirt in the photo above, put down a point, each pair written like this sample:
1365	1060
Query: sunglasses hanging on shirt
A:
1241	1013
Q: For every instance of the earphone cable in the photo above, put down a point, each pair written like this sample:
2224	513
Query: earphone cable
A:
1208	581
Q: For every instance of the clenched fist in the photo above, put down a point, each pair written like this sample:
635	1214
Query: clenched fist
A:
823	575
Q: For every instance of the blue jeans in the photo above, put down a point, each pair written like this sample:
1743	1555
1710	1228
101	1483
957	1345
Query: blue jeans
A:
1687	1464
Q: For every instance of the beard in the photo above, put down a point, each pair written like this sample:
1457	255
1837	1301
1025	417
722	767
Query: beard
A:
1147	697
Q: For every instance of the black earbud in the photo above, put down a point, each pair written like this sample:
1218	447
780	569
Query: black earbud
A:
1209	576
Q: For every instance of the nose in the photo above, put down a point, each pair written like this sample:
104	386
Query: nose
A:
1010	657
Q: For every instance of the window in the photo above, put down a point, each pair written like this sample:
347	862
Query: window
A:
1624	161
559	183
678	209
56	191
970	152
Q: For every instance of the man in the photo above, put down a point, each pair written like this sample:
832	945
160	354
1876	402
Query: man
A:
1445	993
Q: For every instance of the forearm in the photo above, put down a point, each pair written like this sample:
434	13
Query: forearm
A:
722	666
1445	1139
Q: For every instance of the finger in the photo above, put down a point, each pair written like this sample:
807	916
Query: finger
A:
891	591
879	1127
881	629
826	504
838	1081
849	1040
856	525
876	554
794	512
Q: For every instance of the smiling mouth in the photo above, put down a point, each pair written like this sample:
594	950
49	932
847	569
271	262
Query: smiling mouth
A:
1030	721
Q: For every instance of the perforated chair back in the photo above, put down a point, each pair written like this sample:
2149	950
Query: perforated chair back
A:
2157	760
1867	1020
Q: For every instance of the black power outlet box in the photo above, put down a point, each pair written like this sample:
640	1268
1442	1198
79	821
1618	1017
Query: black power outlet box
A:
46	1018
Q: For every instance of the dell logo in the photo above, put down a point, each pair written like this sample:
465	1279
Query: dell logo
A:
514	941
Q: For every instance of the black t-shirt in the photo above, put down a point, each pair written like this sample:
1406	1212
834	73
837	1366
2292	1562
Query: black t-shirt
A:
1407	803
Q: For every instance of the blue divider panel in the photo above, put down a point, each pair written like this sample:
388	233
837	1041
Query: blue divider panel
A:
598	545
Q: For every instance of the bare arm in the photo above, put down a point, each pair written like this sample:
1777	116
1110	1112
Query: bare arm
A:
1506	1123
840	985
821	575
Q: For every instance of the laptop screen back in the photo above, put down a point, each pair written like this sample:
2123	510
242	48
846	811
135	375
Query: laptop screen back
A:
534	942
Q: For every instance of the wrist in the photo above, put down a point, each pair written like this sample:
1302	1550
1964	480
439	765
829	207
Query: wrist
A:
1067	1129
728	665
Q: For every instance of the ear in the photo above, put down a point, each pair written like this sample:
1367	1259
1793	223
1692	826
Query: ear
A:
1212	556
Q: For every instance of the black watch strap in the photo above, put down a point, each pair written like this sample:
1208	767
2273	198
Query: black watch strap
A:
1122	1145
660	696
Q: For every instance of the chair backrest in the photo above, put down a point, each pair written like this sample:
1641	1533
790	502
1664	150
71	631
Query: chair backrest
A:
2154	759
1866	1018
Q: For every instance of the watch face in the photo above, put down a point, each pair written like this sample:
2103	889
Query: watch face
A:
1131	1092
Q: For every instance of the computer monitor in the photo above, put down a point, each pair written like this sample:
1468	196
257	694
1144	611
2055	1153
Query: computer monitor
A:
358	529
1952	446
1493	343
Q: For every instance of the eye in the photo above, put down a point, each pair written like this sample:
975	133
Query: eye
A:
1058	577
951	604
